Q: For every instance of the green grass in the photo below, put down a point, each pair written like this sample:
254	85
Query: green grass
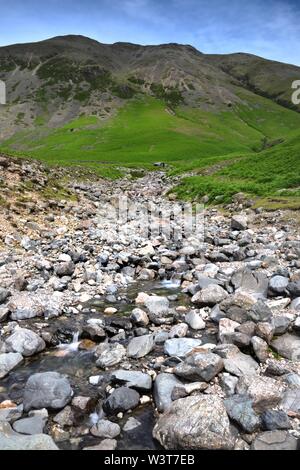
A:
145	131
274	172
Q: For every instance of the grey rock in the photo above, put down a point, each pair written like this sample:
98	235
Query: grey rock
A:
109	355
241	364
122	399
131	424
294	289
195	423
94	329
163	387
278	285
4	294
47	390
179	331
210	296
31	426
239	222
274	440
10	440
200	366
8	362
11	414
247	281
287	346
228	383
180	347
265	392
65	269
158	309
195	321
140	346
240	410
25	342
106	444
296	304
261	348
161	337
139	317
182	391
275	419
280	324
132	379
105	428
242	307
292	379
65	417
291	401
4	312
265	331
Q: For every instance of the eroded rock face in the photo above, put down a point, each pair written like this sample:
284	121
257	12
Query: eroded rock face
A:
198	422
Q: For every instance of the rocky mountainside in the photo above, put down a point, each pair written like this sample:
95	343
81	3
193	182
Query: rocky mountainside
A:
57	80
198	337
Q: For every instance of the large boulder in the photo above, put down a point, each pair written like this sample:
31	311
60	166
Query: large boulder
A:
122	399
265	392
163	387
25	342
180	346
47	390
140	346
32	425
291	401
239	222
132	379
241	364
109	355
251	282
275	419
278	285
195	321
8	362
10	440
240	410
287	346
4	294
195	423
242	307
200	366
210	296
275	440
24	305
106	429
158	309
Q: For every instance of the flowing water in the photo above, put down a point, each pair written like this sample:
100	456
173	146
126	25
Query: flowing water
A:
68	358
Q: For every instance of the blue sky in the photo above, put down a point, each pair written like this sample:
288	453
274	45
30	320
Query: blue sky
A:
269	28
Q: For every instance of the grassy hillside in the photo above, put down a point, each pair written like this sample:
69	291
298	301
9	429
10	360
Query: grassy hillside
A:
252	148
273	174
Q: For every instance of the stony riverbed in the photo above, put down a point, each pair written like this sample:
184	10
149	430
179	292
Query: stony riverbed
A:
111	339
